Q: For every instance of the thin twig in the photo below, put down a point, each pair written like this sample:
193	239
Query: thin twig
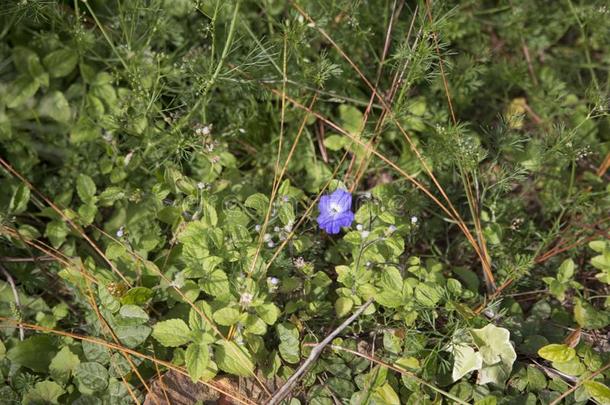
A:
279	395
10	280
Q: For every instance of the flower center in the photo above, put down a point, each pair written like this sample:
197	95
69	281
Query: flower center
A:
335	208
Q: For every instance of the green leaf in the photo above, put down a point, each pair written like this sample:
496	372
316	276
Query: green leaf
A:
91	377
172	333
62	364
335	142
226	316
197	358
35	353
259	202
61	62
588	317
599	391
557	353
137	296
289	342
497	353
44	392
20	91
132	335
465	360
205	267
20	199
85	187
566	271
84	131
215	283
95	352
55	106
343	306
428	294
390	288
56	231
268	312
231	359
132	315
352	118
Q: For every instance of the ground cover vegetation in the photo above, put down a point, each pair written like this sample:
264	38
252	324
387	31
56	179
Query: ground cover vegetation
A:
307	201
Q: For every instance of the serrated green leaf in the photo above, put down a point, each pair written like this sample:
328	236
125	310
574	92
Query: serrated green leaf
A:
61	62
197	358
231	359
85	187
91	377
227	316
172	333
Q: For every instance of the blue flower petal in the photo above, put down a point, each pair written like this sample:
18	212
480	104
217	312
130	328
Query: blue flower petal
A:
335	211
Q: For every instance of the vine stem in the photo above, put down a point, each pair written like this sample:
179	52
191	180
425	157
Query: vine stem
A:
280	394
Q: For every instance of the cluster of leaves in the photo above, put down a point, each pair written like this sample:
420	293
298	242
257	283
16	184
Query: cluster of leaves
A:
161	162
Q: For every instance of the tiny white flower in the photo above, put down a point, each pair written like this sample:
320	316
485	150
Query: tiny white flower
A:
359	227
391	229
120	232
246	299
285	198
365	234
266	237
201	185
273	280
257	228
414	219
206	130
270	244
288	227
299	262
243	131
276	229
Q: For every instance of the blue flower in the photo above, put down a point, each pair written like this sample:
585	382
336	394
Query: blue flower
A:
335	211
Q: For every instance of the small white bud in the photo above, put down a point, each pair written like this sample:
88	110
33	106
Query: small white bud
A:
364	234
359	227
414	219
